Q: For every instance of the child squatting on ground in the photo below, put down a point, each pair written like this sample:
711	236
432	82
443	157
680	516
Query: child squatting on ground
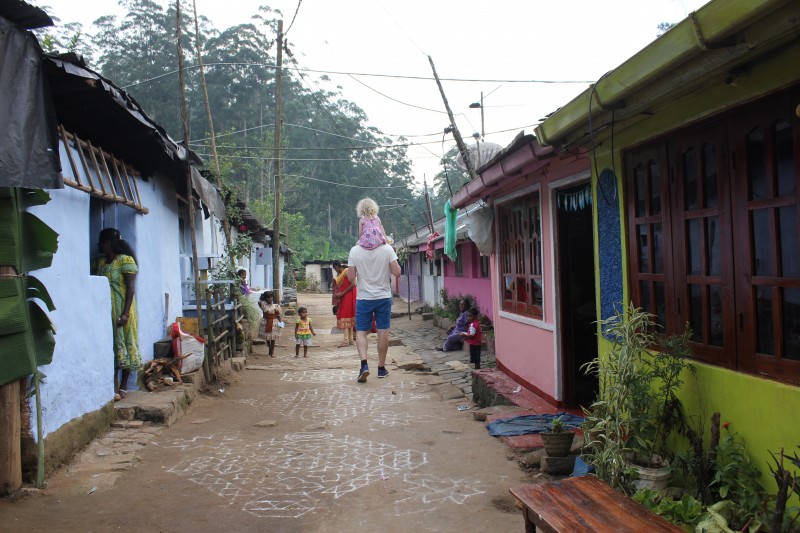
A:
370	227
473	336
303	331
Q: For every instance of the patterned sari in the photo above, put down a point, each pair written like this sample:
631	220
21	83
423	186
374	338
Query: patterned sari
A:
126	338
345	314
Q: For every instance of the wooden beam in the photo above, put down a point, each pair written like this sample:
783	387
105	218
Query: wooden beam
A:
10	424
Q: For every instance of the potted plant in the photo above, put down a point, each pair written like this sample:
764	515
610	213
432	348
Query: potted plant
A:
557	441
637	408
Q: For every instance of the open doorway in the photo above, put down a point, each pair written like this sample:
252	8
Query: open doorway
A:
576	292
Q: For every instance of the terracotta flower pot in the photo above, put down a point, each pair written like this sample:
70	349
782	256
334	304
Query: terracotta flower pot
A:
557	444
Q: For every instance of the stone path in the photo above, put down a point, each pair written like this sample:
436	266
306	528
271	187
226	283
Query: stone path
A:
420	338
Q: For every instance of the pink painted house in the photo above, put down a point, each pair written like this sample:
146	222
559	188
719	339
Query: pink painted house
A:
423	278
542	285
469	274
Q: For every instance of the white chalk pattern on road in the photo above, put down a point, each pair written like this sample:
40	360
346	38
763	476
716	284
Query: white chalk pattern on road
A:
428	491
336	404
288	476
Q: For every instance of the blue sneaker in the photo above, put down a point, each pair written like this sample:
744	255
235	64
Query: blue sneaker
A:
362	375
382	372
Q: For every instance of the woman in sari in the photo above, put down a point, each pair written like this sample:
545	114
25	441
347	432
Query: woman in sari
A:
344	295
118	263
454	340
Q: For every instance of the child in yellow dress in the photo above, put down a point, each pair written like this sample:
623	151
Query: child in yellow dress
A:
303	331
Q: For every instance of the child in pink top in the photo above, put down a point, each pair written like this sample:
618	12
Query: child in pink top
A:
370	229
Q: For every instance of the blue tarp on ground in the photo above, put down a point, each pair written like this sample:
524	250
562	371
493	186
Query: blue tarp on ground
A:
526	424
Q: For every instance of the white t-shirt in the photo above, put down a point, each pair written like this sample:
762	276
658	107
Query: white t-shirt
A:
373	273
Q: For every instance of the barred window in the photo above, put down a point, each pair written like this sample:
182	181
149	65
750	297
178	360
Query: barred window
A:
519	223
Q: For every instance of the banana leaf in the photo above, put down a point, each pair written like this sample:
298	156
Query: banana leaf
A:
26	333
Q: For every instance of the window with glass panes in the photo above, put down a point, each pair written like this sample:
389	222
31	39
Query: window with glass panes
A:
520	256
713	225
484	266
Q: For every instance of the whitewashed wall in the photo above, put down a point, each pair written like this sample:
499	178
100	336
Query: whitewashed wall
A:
158	253
79	380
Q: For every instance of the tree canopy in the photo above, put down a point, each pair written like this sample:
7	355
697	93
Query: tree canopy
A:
330	156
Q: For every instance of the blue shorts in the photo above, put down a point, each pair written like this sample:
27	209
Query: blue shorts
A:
365	309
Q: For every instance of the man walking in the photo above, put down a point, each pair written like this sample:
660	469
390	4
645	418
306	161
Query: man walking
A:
371	270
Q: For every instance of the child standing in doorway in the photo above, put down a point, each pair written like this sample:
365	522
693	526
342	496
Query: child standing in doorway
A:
370	228
473	336
303	331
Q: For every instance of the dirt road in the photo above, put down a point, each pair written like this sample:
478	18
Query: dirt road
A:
297	445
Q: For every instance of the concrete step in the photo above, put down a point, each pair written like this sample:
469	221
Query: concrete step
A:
168	403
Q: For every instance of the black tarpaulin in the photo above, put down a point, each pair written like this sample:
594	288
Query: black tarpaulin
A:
28	142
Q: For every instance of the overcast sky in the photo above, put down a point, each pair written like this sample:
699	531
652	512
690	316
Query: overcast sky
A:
566	40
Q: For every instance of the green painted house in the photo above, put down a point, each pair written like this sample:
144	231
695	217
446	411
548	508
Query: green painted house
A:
694	147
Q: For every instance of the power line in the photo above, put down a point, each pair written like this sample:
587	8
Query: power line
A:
294	17
368	74
395	99
372	143
347	184
262	158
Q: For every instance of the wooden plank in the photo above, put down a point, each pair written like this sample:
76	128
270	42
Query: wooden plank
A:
134	175
10	424
100	172
116	174
585	505
79	147
10	427
76	174
102	157
74	185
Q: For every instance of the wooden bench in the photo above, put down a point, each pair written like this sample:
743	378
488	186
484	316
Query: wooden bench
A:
585	505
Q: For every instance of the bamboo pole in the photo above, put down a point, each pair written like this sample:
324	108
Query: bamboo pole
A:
188	167
456	134
226	225
276	228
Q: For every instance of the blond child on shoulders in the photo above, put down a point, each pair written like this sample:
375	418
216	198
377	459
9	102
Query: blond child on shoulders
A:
370	228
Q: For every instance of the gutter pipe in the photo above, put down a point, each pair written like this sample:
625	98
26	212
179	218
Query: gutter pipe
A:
700	31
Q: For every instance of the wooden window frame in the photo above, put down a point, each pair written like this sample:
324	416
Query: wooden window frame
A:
107	177
459	262
520	255
693	230
483	266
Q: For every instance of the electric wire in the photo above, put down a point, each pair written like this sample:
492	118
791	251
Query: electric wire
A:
293	18
367	74
196	142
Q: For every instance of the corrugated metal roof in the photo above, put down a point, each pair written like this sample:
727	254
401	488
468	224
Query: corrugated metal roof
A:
25	15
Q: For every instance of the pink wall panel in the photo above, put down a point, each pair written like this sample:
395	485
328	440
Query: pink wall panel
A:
527	351
480	288
470	281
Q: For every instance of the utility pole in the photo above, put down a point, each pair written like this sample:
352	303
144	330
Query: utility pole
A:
226	225
483	129
428	205
276	228
330	231
456	134
261	165
189	192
